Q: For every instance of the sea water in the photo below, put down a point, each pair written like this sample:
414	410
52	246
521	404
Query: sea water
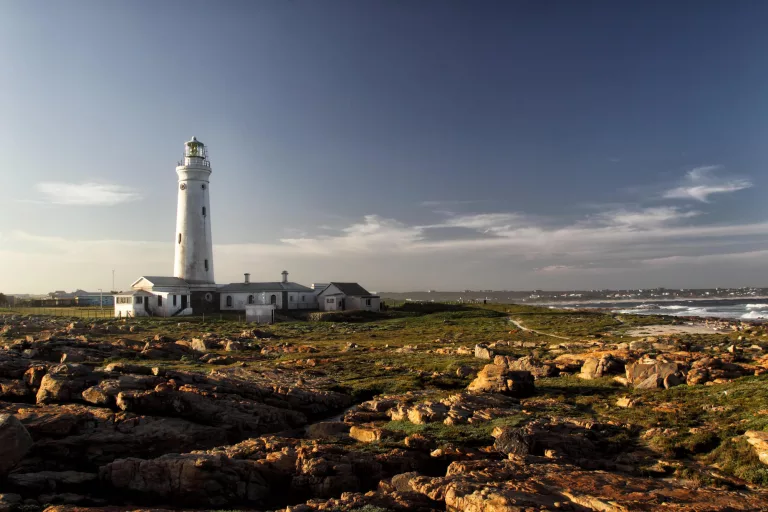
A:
744	309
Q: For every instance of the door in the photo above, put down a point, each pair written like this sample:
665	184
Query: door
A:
183	302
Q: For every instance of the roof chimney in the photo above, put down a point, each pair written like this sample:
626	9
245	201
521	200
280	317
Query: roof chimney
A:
285	276
247	278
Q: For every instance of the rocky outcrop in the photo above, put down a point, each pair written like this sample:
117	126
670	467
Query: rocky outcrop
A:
579	442
15	442
483	352
235	414
528	364
500	379
510	485
594	368
759	440
654	375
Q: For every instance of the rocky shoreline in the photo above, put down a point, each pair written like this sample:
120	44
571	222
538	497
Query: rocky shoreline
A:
79	429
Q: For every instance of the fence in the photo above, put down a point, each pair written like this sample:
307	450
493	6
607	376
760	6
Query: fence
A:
72	312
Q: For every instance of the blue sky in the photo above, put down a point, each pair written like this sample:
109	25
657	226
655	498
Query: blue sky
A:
406	145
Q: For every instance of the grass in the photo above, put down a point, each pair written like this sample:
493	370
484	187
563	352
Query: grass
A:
699	427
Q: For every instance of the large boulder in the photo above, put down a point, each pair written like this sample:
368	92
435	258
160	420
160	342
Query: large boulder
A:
15	442
528	364
63	383
654	375
500	379
483	352
594	368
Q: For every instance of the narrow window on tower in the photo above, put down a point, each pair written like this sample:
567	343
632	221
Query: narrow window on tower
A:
179	237
203	211
206	265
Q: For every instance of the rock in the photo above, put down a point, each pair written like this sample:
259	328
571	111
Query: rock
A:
528	363
653	375
366	434
51	481
511	485
198	479
419	442
9	502
626	401
201	345
594	368
759	440
427	412
233	346
483	352
464	371
15	442
231	412
327	430
697	376
499	379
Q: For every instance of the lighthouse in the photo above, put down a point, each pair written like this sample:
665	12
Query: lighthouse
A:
193	260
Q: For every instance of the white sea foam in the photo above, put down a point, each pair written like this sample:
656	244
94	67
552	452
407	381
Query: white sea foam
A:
756	306
674	307
755	315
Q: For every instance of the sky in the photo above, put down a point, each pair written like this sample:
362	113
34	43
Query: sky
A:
404	145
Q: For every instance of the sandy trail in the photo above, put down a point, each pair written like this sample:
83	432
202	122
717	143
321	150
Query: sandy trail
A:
523	328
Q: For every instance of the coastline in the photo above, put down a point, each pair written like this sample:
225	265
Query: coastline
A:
644	301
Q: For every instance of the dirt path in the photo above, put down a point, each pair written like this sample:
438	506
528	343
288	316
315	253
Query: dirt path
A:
523	328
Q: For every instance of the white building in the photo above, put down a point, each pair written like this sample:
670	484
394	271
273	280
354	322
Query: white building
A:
346	296
283	295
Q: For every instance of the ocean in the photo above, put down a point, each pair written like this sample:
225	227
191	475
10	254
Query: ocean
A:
735	309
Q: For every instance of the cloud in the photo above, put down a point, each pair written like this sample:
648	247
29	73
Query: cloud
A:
86	194
453	202
701	182
644	218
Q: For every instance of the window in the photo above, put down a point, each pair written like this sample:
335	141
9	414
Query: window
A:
229	301
206	265
329	301
291	298
203	211
124	300
174	299
367	302
159	300
179	237
250	299
273	299
138	300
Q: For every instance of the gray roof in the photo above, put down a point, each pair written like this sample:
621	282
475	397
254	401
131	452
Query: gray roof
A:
163	281
265	287
135	292
352	289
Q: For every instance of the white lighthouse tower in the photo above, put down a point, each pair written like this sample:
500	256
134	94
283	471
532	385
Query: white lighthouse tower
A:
194	248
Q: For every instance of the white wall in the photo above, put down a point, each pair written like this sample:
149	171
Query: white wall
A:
129	310
196	245
240	300
166	309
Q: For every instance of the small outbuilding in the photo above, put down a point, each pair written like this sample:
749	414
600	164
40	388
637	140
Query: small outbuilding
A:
347	296
161	296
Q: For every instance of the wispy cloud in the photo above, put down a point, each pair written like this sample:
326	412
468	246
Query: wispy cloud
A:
86	194
453	202
644	218
701	182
